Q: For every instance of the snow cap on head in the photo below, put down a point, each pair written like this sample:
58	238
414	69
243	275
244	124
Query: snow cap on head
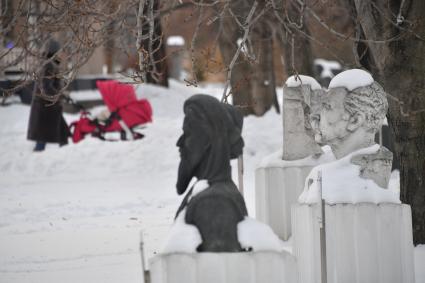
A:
295	81
351	79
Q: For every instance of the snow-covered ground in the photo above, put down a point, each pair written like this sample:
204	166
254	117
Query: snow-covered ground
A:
75	214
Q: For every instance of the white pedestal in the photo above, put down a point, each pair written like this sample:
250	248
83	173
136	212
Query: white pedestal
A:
366	243
245	267
277	188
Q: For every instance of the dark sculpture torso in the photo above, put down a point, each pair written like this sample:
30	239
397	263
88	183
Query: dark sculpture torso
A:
212	136
216	211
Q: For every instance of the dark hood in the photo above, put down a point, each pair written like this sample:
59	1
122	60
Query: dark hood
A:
216	128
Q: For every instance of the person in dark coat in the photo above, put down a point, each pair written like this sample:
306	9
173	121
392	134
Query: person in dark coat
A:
46	123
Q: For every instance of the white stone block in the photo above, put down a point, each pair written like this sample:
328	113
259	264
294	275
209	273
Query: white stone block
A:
245	267
366	243
277	188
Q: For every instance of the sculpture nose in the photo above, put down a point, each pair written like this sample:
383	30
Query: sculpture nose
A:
180	141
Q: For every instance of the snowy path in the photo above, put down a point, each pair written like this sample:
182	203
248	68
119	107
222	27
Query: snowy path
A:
74	214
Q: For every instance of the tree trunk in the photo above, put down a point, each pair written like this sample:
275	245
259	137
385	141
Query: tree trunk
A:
408	84
400	67
157	72
109	49
252	81
263	84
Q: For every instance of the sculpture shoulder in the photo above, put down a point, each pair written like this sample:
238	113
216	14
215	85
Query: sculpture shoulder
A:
222	192
375	166
227	188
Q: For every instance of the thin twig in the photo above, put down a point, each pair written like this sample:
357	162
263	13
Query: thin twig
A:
235	57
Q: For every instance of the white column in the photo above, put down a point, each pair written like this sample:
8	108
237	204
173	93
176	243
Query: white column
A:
278	184
244	267
366	243
276	189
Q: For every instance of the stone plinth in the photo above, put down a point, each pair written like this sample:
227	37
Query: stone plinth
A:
276	190
366	243
245	267
278	184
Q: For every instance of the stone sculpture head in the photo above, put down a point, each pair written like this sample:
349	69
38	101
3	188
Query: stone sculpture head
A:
350	117
211	137
298	133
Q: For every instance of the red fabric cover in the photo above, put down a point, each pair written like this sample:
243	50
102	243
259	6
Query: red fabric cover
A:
115	94
120	98
81	128
135	113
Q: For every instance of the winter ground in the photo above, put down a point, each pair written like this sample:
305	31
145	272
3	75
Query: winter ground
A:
75	214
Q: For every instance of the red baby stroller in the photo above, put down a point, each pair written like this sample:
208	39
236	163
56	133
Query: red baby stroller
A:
126	114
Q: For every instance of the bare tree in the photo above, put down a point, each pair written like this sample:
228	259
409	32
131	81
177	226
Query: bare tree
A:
246	44
152	62
81	27
394	35
248	31
293	39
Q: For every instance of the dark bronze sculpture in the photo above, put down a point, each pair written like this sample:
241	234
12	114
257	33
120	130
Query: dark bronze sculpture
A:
211	137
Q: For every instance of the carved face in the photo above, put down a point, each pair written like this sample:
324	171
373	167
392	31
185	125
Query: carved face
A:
192	144
334	119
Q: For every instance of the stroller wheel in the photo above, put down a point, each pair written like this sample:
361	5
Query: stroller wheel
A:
123	136
136	135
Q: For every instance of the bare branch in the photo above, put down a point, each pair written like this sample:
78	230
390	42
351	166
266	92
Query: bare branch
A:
235	57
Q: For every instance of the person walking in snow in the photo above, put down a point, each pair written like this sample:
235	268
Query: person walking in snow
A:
46	123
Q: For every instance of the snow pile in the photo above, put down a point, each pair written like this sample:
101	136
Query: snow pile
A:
341	183
199	187
183	237
295	81
256	236
275	159
351	79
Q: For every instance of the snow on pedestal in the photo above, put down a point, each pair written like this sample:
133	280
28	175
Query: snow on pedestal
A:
278	184
266	261
342	181
244	267
366	243
368	231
